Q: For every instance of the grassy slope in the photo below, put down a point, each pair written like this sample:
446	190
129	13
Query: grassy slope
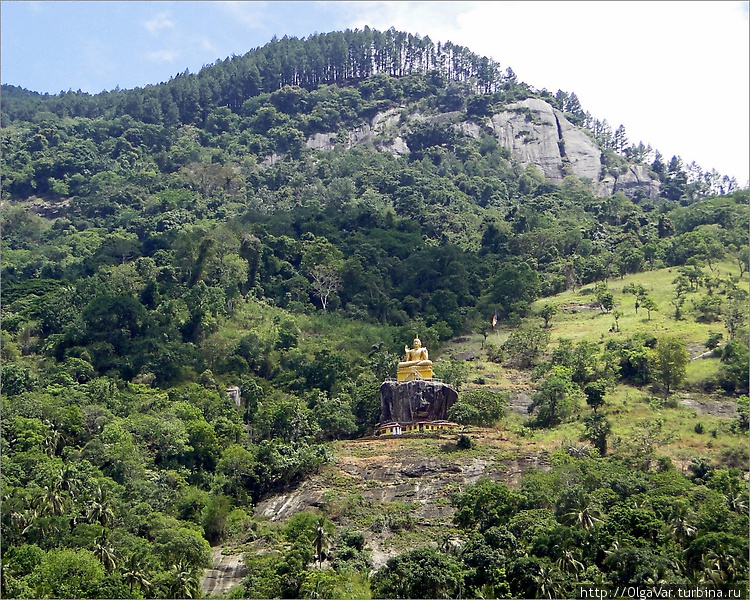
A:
579	320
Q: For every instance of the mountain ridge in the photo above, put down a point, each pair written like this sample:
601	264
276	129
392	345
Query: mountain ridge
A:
201	300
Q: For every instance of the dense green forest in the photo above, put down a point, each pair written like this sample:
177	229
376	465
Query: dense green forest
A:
160	245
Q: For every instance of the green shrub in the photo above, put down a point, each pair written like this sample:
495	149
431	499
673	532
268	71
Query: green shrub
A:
479	407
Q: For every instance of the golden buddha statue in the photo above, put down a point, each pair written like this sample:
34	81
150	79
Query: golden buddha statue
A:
416	364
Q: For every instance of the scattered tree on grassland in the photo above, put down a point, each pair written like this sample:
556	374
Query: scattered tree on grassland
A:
526	343
595	392
670	359
547	312
557	398
597	428
650	305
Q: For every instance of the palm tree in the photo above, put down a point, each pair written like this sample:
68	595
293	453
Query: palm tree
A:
736	500
105	553
134	574
67	480
185	583
568	561
52	502
546	585
680	525
20	519
583	512
99	510
321	541
53	439
719	566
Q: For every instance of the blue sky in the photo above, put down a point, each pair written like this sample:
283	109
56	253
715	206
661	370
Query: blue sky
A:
675	74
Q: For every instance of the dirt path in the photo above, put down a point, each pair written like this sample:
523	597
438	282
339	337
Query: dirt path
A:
228	570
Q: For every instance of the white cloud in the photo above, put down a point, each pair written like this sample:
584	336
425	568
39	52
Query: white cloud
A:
163	56
253	15
207	44
159	22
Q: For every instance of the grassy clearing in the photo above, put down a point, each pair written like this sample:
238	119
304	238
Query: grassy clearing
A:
579	318
628	408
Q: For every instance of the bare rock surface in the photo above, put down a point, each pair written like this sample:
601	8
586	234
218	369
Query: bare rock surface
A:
383	124
418	400
529	130
580	150
534	132
716	408
424	481
227	571
632	181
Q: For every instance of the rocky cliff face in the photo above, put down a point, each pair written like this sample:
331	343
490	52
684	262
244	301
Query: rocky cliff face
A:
632	181
529	130
419	400
535	133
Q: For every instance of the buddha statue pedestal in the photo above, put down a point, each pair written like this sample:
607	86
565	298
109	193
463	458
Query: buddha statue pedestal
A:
412	372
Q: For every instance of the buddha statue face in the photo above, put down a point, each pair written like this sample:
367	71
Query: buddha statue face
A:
417	343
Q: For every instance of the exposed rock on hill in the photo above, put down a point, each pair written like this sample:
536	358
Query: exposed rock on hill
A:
382	477
529	130
382	131
535	133
417	400
227	571
635	178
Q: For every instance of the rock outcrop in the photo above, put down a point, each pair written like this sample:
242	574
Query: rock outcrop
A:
534	132
529	130
381	131
418	400
226	571
540	135
629	182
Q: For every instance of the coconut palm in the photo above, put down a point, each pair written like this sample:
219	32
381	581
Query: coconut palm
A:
736	500
583	512
53	440
546	584
105	552
99	510
719	566
680	525
568	561
321	541
67	480
52	502
185	583
134	574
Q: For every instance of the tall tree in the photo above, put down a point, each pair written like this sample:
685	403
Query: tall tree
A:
670	361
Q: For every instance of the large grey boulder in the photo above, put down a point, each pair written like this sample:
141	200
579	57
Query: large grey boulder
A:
418	400
529	130
540	135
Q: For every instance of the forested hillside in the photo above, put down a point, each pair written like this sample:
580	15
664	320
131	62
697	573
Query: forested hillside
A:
284	222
